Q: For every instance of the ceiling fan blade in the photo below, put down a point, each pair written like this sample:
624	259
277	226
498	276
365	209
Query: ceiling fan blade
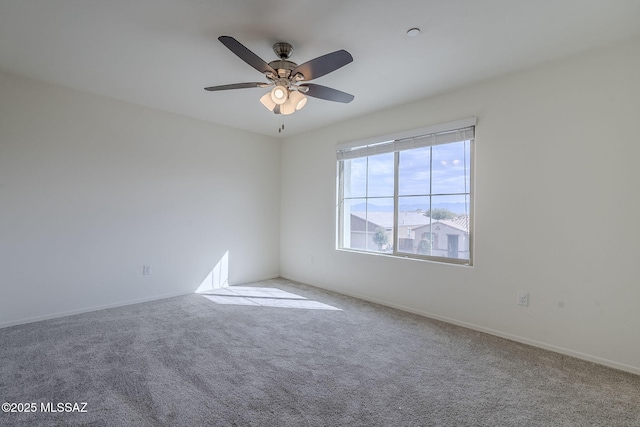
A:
323	92
323	64
236	86
246	55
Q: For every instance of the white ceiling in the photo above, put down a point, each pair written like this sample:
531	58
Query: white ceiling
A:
162	53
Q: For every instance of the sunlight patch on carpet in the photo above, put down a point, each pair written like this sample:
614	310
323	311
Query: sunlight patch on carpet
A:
265	297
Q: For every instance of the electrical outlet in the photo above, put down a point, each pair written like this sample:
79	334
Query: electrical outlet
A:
311	259
523	298
146	270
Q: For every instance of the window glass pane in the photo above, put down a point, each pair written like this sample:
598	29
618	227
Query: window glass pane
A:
380	175
450	172
412	219
371	224
355	177
414	172
448	207
433	193
467	169
353	220
450	226
380	224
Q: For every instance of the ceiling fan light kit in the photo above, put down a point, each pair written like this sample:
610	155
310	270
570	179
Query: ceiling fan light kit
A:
287	108
298	99
285	77
279	94
267	101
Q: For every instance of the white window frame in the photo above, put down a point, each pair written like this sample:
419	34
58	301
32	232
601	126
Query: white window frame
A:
428	136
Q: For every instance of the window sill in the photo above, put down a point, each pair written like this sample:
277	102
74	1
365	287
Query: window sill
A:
436	260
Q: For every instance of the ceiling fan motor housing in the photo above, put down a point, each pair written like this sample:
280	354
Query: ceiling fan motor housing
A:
283	67
283	50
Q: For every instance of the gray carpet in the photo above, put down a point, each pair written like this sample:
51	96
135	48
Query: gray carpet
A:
188	361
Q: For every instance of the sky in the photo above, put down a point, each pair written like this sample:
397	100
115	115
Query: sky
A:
442	171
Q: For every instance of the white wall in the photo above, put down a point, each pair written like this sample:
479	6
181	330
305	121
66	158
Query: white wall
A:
91	189
556	163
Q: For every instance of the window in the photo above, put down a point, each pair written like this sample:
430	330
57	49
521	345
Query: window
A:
409	195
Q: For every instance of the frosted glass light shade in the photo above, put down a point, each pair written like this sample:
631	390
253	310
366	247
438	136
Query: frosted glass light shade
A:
298	99
267	101
288	107
279	94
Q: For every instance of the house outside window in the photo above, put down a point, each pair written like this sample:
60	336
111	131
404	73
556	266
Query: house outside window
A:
410	195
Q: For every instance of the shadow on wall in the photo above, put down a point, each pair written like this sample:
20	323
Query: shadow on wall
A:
218	277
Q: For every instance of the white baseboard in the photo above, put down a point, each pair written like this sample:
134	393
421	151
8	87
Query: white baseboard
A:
89	309
523	340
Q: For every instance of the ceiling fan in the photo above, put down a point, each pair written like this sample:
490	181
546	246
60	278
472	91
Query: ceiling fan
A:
287	79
